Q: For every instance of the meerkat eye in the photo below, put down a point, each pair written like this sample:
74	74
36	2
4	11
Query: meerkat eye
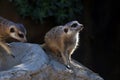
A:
74	25
65	30
12	30
20	35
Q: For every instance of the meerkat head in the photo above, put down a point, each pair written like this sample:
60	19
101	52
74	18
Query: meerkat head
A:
18	32
73	27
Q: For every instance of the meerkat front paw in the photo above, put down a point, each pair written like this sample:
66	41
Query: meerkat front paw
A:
68	66
13	56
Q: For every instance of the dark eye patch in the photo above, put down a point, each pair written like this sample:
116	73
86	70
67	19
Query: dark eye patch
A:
74	25
65	30
12	30
20	35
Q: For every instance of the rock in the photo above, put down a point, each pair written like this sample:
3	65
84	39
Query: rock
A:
32	63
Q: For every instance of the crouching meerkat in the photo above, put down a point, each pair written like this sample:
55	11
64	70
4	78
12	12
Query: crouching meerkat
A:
9	29
63	40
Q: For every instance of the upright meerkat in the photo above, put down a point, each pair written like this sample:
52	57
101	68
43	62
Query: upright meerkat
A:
9	29
63	40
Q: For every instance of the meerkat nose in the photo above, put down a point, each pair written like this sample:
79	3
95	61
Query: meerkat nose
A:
81	25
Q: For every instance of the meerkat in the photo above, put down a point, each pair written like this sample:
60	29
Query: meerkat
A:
63	40
9	29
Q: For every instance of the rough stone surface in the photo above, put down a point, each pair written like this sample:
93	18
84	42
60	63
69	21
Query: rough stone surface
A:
32	63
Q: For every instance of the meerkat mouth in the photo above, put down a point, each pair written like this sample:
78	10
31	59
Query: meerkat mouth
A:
81	28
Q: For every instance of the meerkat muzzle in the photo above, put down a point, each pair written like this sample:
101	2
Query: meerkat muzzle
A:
81	27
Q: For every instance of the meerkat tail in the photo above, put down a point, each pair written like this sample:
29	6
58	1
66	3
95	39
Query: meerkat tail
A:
6	48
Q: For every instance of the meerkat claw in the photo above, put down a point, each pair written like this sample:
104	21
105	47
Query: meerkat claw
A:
8	45
68	66
13	56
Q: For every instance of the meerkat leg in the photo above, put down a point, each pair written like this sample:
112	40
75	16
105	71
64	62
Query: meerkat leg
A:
6	47
68	59
70	52
64	58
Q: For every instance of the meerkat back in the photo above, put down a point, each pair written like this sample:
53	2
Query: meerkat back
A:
52	39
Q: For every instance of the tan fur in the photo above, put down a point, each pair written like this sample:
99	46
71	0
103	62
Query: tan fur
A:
63	40
18	32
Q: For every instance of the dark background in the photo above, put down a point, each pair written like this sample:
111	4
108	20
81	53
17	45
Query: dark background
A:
100	40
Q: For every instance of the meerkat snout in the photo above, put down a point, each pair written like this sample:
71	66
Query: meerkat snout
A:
81	26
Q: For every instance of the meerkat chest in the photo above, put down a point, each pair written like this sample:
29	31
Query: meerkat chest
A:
72	41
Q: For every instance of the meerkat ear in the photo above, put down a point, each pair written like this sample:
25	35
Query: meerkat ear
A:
65	30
